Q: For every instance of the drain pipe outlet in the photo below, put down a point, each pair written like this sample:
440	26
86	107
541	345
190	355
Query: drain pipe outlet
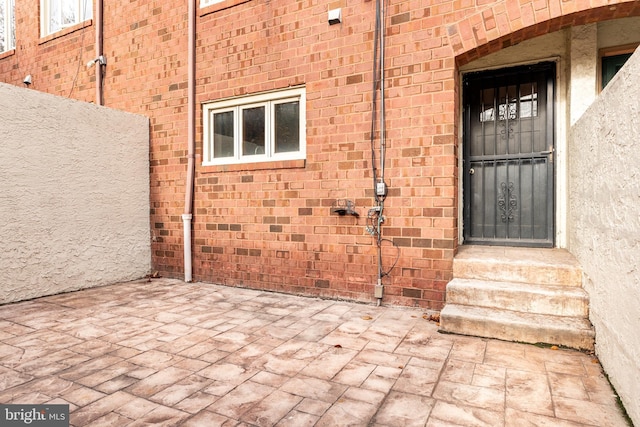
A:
188	269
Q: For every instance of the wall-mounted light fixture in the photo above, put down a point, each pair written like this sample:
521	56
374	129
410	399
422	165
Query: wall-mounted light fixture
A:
101	60
27	80
335	16
343	207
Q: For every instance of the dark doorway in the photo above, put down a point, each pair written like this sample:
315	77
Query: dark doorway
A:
508	156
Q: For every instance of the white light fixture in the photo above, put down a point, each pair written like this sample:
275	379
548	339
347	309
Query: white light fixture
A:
335	16
27	80
102	60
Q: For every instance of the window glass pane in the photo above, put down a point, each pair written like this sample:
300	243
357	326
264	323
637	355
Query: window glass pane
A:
86	9
3	14
12	31
253	128
59	14
529	100
487	112
204	3
69	12
287	127
223	134
611	65
507	110
54	16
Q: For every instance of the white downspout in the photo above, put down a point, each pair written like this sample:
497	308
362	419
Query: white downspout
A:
191	128
186	221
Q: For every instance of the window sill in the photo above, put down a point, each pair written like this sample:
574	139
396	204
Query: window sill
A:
65	31
225	4
278	164
7	53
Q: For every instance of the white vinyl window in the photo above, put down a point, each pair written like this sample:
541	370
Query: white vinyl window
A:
7	25
57	15
258	128
205	3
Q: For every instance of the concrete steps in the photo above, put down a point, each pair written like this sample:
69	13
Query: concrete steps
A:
518	294
523	265
517	326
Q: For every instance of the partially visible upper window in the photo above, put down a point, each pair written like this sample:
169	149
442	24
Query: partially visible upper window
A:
611	65
258	128
204	3
56	15
612	60
7	25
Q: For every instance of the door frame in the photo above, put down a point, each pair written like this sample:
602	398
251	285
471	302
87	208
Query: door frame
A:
557	84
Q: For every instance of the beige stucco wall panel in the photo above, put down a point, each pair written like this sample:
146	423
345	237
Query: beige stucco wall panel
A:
618	32
605	225
584	67
75	197
541	48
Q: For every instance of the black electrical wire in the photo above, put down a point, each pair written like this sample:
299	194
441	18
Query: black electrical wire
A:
375	217
386	273
372	220
80	62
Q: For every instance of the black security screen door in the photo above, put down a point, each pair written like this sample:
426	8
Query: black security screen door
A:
508	156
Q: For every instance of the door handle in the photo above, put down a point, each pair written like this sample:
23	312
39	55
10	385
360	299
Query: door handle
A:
472	171
549	154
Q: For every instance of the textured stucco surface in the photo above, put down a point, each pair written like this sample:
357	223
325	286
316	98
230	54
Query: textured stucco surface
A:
605	225
618	32
74	202
584	63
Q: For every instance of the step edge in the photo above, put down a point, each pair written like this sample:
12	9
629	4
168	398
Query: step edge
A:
463	282
445	312
579	338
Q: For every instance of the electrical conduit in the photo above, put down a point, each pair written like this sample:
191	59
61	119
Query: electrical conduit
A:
380	185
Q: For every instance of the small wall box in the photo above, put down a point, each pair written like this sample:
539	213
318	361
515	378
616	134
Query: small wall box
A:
335	16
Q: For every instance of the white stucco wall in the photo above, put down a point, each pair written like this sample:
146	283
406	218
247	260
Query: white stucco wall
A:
604	225
618	32
584	69
74	195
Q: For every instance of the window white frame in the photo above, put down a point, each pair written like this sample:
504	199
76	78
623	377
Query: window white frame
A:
237	105
7	25
52	14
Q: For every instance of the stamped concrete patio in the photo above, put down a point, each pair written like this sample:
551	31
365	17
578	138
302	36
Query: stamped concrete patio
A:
169	353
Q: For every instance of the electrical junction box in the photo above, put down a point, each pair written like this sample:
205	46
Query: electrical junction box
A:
377	293
381	188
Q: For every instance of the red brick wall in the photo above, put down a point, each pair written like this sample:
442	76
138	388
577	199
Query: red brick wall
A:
52	61
271	228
